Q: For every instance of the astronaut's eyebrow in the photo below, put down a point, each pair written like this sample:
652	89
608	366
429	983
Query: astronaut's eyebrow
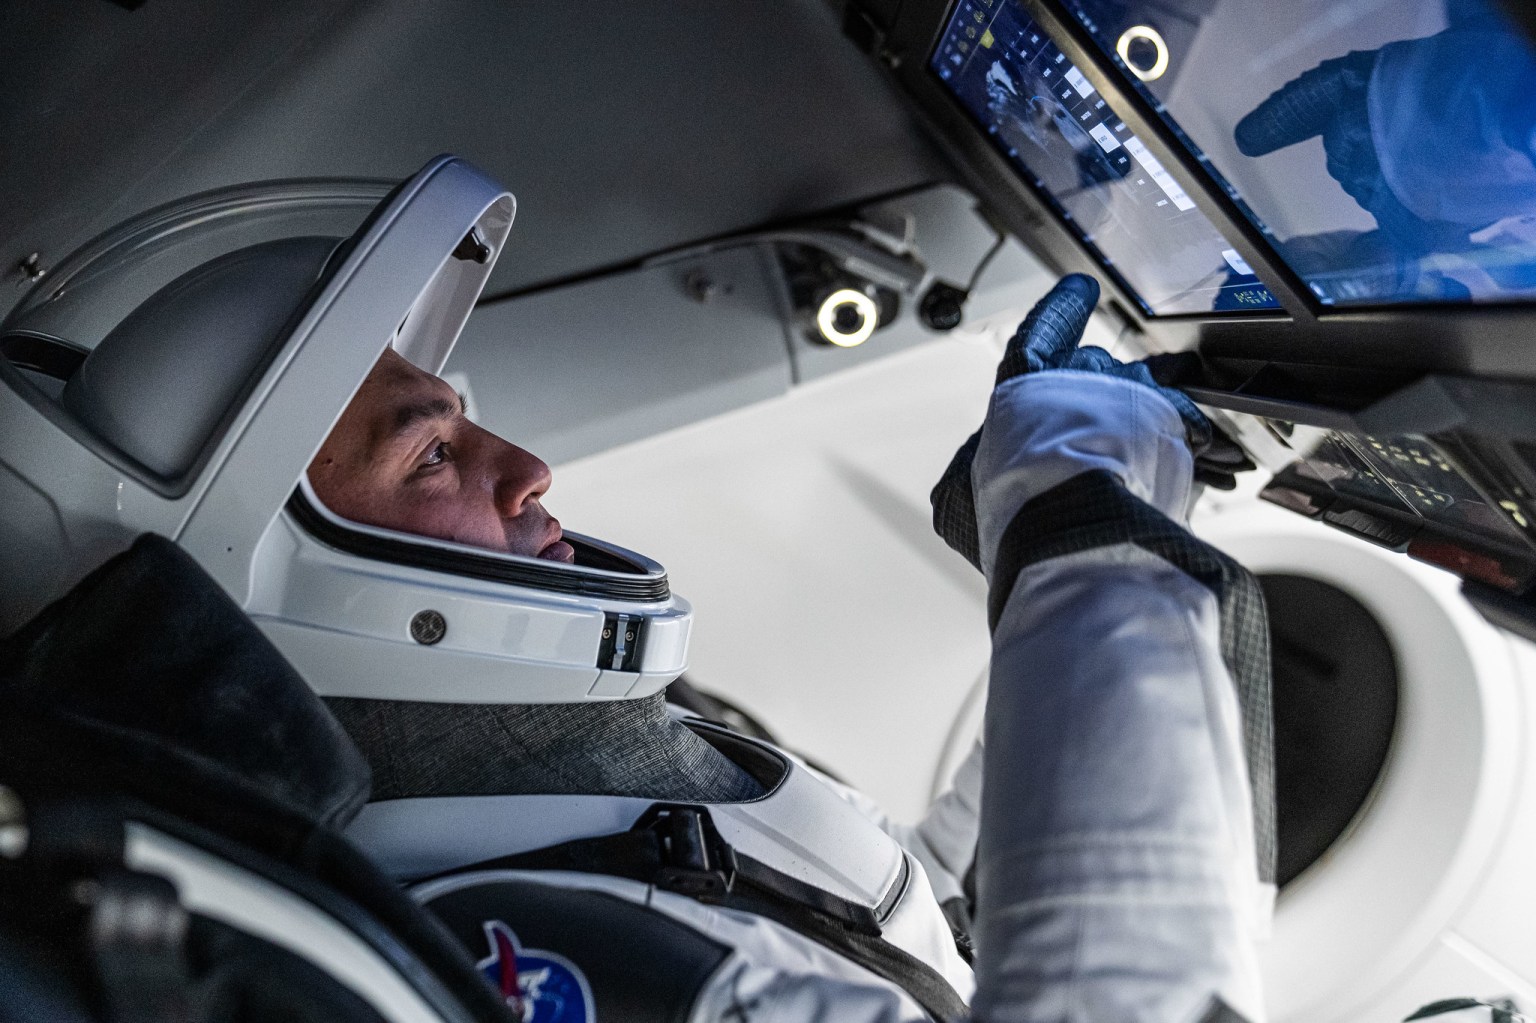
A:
408	416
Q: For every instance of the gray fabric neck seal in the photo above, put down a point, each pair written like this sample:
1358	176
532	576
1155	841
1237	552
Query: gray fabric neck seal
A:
616	748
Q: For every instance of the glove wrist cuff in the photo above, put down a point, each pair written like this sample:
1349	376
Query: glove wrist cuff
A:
1043	429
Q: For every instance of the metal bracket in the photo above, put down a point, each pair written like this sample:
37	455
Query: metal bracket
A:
696	860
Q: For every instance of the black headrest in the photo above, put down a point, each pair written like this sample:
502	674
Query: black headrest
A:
146	679
158	386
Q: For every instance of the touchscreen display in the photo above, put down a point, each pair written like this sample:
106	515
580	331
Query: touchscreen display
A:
1387	147
1064	139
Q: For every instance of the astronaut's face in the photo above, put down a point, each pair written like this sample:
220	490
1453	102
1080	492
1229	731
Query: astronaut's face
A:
404	457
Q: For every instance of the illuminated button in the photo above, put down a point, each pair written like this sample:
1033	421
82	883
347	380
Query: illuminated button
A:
1144	34
847	318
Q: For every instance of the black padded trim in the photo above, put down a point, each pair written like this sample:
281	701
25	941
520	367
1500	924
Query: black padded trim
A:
183	712
152	679
1094	510
641	587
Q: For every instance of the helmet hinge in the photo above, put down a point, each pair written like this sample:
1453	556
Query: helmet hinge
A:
619	648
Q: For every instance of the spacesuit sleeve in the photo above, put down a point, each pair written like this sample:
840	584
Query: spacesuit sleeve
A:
1118	874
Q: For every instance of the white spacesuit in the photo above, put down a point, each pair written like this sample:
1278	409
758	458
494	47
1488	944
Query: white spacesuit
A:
1116	864
1110	856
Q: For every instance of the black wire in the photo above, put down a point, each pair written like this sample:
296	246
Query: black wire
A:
985	260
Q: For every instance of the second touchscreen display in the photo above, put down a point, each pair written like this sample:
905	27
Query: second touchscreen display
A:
1042	113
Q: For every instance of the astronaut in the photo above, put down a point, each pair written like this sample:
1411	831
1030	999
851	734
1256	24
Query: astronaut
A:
505	677
388	465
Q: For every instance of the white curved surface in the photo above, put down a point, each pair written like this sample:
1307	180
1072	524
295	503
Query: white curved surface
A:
1370	931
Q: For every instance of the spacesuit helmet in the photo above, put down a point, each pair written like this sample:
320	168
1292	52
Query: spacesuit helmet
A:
178	374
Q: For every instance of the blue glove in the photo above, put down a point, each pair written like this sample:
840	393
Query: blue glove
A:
1330	101
1048	340
1432	136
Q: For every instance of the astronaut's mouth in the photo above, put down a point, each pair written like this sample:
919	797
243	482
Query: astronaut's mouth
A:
559	550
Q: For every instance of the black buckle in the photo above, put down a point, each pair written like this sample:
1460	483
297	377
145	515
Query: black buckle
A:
695	860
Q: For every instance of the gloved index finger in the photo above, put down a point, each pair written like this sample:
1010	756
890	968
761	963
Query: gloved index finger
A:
1050	333
1305	106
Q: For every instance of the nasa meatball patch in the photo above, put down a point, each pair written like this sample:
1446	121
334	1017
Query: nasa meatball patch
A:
539	987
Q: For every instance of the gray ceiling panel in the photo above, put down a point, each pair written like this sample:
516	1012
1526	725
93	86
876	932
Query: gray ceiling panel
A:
624	126
575	370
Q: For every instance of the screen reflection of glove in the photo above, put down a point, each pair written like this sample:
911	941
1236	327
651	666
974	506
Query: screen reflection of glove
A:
1434	151
1330	100
1048	340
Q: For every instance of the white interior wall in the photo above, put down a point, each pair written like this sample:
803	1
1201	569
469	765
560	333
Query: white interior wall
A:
799	528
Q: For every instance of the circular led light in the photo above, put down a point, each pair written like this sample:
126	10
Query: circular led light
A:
835	332
1147	34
